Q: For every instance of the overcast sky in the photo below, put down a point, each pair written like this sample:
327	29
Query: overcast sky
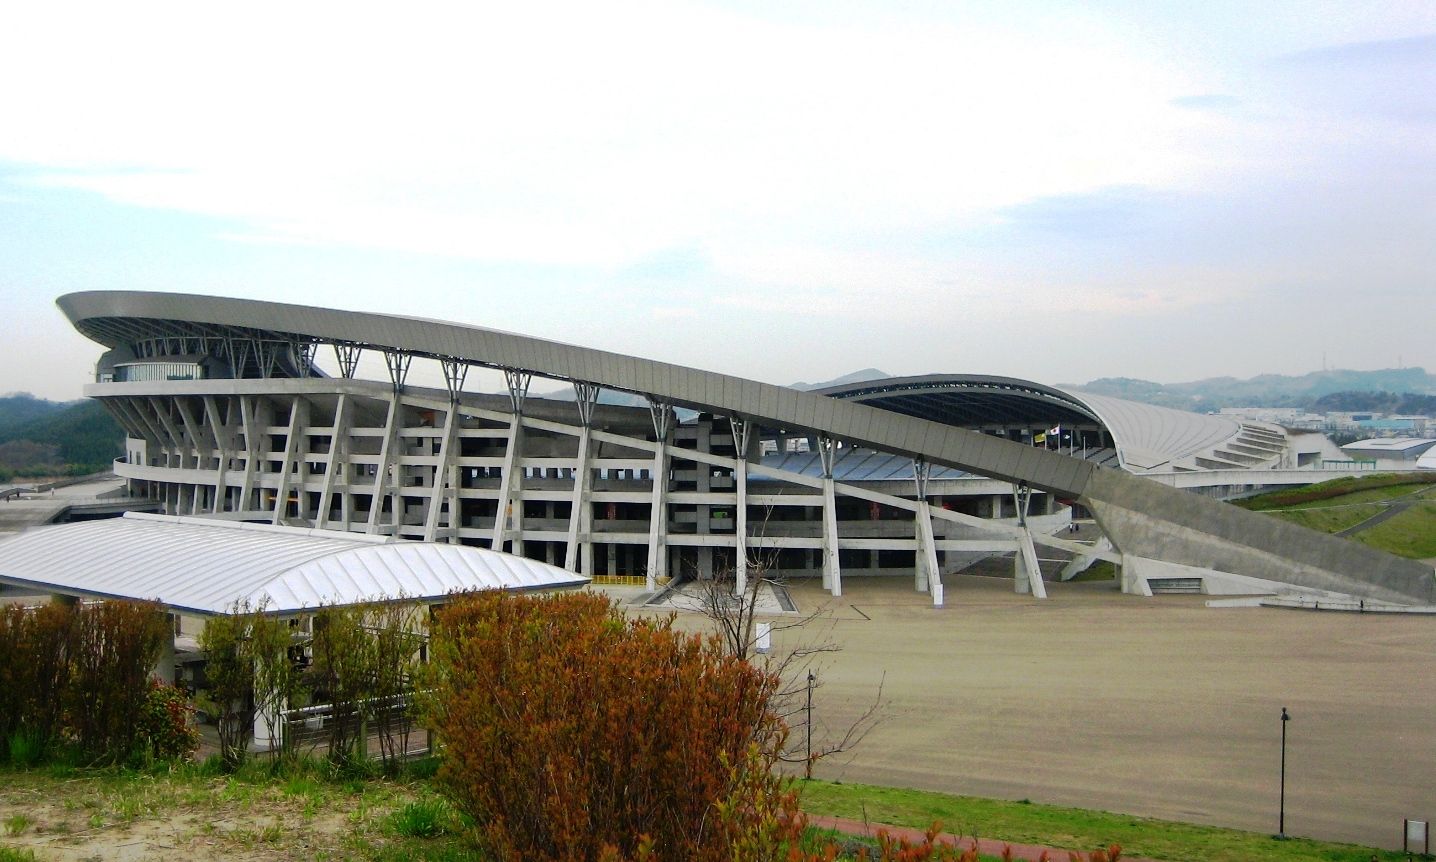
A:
785	191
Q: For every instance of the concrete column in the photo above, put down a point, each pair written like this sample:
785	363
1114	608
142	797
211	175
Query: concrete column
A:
832	571
511	479
742	437
334	462
1026	575
286	468
382	480
250	420
579	549
441	475
928	575
509	484
175	450
663	420
1130	575
580	515
224	448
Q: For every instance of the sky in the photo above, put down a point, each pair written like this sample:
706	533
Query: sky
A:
783	191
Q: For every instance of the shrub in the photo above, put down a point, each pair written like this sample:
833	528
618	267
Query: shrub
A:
115	647
167	723
35	650
572	733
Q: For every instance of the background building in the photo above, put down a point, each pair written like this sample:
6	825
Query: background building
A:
255	411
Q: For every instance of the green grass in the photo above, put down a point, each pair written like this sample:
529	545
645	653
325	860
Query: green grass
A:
1328	519
1340	504
1409	534
1070	828
10	854
1350	489
265	805
1102	570
423	818
1369	495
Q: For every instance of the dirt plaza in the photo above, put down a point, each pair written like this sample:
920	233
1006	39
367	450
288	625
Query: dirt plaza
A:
1151	706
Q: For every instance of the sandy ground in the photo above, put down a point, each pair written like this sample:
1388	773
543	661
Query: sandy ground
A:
89	821
1159	707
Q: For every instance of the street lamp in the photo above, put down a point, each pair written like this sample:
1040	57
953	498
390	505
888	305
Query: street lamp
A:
1281	810
808	761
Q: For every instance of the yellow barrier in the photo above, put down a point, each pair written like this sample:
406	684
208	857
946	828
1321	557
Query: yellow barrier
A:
623	581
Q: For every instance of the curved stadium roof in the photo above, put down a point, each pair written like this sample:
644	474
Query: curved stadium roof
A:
1146	436
208	567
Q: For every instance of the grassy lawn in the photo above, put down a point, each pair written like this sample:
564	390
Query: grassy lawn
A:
1369	495
1339	492
1073	828
1409	534
192	814
1328	519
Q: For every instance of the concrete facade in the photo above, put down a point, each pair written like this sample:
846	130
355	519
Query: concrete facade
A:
625	491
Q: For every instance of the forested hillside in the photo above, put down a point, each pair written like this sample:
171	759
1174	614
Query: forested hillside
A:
1392	390
46	438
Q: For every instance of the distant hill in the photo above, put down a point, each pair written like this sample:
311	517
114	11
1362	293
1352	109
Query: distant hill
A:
18	408
39	437
854	377
1267	390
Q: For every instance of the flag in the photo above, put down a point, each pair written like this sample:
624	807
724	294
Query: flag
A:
1055	430
1040	438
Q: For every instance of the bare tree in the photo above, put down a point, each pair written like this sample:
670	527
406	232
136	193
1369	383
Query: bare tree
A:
396	644
735	615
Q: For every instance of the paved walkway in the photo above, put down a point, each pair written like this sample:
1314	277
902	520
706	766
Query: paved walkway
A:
985	846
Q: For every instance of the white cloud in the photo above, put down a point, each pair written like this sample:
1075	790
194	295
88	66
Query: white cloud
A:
584	134
852	168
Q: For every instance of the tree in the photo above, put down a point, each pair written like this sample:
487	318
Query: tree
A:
247	667
343	674
396	665
735	615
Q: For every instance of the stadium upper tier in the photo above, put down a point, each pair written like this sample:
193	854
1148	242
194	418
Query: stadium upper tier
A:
229	415
1146	438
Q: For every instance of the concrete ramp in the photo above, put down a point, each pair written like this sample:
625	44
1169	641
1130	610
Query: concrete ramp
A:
1146	519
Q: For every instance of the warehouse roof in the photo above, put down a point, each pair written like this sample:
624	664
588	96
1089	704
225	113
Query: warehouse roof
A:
208	566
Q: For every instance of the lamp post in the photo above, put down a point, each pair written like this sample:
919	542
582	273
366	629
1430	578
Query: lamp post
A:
808	760
1281	805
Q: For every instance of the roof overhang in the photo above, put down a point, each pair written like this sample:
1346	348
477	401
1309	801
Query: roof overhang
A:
209	567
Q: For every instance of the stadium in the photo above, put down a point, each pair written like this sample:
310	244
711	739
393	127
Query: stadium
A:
262	412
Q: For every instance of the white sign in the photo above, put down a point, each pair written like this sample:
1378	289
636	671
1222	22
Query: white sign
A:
1418	837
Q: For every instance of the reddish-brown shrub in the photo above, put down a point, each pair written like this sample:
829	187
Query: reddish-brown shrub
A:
34	671
572	733
115	647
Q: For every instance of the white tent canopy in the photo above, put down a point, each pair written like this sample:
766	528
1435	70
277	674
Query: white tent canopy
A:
203	566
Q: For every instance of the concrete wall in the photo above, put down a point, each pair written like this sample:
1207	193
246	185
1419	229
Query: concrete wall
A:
1150	520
